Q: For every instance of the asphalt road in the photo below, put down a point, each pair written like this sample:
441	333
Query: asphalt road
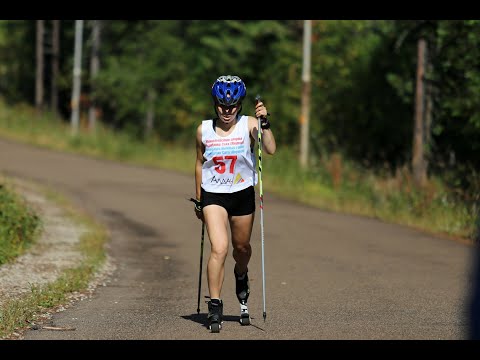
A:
328	276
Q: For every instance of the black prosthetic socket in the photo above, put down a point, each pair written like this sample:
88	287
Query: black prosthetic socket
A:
242	287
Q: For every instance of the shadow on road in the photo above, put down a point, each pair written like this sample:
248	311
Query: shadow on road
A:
202	319
134	227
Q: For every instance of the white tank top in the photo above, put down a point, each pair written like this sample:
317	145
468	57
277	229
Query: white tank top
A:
229	164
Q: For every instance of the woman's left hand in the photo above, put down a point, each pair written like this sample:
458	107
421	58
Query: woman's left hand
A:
260	110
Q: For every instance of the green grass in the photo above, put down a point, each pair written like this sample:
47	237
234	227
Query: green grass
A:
19	224
23	124
331	183
337	185
18	313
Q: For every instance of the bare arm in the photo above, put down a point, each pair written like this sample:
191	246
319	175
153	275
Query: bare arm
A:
199	162
268	140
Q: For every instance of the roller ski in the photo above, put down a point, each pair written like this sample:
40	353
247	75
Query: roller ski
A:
215	314
243	291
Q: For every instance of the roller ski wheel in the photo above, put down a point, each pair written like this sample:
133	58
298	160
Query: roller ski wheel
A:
215	327
244	315
215	314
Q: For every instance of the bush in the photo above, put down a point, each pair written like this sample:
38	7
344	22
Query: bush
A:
18	225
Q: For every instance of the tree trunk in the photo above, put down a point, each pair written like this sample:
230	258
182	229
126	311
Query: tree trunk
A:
418	155
428	116
39	66
94	67
150	113
55	65
77	76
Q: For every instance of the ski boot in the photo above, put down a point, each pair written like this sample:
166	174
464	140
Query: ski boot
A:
215	314
243	291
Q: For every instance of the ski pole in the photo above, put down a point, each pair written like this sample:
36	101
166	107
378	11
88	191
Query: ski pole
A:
201	262
260	145
200	273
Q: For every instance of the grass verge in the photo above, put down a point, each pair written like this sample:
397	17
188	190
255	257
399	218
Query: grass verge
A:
19	224
19	312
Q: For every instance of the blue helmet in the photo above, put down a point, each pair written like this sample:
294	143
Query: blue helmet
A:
228	90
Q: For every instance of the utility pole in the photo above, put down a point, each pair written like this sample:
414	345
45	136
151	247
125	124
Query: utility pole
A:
306	89
39	67
77	72
94	67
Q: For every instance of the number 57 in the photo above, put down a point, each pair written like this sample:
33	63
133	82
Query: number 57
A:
218	160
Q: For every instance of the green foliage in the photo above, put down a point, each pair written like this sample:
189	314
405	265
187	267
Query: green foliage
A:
260	52
453	51
139	63
352	100
18	225
17	61
335	183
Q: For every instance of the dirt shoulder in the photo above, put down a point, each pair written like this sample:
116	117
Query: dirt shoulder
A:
55	251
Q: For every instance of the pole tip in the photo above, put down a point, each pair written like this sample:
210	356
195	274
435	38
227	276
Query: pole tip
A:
264	316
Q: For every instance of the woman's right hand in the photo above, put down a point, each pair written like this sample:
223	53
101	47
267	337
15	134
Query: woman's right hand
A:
198	209
199	215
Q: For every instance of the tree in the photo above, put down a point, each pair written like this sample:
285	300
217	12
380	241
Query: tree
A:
77	72
418	153
55	64
94	68
39	86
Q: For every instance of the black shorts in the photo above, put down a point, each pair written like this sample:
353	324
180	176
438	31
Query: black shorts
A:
237	204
